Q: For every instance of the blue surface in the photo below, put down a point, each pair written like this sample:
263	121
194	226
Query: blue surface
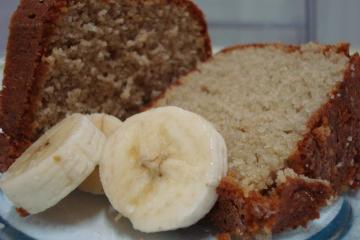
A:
10	233
339	227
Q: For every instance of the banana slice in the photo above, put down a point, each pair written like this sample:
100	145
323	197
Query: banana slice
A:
162	167
54	165
108	125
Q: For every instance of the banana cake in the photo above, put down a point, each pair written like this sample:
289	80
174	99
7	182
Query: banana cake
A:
110	56
290	119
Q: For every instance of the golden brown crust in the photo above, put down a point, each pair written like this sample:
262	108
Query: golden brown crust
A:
288	48
30	29
289	205
338	48
330	148
299	202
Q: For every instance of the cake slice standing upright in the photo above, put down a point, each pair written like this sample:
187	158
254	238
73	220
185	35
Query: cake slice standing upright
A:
110	56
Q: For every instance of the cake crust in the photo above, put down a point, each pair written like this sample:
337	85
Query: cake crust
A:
330	148
289	205
30	29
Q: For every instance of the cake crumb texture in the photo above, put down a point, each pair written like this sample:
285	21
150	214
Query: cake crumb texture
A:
115	57
261	99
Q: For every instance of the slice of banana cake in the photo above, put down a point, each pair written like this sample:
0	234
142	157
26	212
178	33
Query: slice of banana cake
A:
110	56
290	118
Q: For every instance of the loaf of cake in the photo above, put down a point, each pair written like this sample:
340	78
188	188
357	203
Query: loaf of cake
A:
290	117
110	56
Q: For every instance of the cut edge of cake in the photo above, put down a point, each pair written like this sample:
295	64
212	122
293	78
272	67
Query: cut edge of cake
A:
324	164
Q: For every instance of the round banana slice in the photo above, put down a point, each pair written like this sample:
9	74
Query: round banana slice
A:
162	167
108	125
54	165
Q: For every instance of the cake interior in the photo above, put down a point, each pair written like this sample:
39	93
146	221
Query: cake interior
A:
260	100
115	56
